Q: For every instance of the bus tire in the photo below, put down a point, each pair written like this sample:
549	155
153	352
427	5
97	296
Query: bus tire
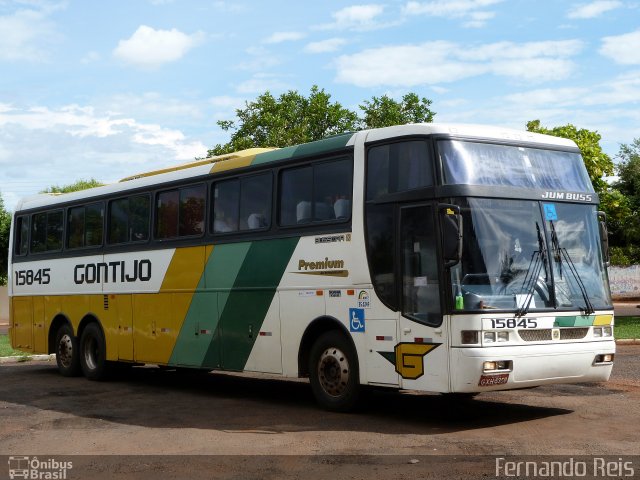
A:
67	352
93	352
334	372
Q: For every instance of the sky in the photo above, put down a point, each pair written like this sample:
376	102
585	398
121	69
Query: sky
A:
106	89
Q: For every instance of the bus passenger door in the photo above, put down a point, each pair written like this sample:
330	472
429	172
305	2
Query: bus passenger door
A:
421	355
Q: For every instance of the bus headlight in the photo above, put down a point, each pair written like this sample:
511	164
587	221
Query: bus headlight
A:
489	337
469	337
603	331
604	359
503	336
497	366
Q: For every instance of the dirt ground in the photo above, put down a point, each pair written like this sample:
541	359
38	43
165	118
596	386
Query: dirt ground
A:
270	428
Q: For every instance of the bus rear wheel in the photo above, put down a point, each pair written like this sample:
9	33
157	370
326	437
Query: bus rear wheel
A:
333	371
67	352
93	352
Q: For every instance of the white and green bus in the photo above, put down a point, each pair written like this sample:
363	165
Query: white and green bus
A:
429	257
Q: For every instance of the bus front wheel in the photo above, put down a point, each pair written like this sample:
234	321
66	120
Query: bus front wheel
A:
333	372
93	352
67	352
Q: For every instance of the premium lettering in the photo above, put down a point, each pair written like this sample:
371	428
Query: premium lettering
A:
321	265
112	272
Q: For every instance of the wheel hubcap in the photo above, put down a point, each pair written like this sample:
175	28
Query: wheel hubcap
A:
91	353
65	351
333	372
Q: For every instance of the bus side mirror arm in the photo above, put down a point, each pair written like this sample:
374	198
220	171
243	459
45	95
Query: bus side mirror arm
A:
451	223
604	238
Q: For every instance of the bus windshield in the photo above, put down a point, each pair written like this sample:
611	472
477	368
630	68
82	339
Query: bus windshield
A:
471	163
517	255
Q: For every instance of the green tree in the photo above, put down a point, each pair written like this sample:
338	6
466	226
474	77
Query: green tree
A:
628	185
293	118
385	111
5	225
288	120
74	187
598	163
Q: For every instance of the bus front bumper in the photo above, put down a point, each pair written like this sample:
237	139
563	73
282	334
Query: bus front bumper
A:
530	365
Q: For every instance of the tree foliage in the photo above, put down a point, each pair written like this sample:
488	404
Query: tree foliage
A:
74	187
293	118
598	163
628	186
385	111
5	225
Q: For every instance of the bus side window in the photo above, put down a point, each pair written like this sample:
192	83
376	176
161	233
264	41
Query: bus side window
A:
22	236
226	199
180	212
398	167
191	213
295	196
46	231
84	226
318	193
255	202
129	219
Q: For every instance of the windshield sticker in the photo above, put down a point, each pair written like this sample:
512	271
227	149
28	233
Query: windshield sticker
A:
550	211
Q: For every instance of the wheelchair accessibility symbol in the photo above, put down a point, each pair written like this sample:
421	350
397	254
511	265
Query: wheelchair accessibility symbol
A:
356	319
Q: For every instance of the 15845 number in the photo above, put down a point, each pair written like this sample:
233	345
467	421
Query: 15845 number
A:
514	323
32	277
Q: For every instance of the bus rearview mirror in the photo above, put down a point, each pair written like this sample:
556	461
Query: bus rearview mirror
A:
604	238
451	222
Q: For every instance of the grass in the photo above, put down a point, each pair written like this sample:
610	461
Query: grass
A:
6	350
627	327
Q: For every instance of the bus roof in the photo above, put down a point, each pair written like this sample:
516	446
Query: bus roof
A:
257	156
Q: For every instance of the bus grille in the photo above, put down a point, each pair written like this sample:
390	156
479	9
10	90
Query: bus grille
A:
544	335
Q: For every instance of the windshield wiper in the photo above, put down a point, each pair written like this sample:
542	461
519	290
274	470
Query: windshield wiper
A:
558	254
538	260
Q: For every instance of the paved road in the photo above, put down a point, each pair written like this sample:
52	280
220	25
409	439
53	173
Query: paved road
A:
149	411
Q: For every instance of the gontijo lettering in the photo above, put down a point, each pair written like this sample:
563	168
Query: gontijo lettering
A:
112	272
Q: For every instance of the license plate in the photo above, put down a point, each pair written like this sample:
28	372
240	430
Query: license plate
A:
491	380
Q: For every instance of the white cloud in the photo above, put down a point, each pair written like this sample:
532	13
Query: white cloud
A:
279	37
260	58
26	35
260	83
623	49
439	62
325	46
356	17
473	11
622	90
150	48
593	9
43	146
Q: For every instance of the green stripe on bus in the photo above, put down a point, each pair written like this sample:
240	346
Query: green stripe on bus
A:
327	145
246	305
574	321
201	325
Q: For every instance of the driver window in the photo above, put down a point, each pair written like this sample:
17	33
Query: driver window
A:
420	286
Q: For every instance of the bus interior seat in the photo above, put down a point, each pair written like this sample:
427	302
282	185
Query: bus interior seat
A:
342	207
323	211
303	212
255	221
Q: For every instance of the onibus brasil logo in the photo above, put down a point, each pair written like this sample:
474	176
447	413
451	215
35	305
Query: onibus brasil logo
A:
33	468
